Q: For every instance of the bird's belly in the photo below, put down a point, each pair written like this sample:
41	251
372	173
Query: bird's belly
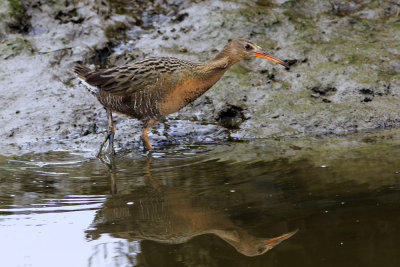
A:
171	105
180	96
137	107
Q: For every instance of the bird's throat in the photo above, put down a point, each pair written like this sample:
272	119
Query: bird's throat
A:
197	82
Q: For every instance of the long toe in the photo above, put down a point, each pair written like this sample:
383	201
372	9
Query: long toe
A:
103	143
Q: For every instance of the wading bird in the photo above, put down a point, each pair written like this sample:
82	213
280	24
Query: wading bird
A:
150	89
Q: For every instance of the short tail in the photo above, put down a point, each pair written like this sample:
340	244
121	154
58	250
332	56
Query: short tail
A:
81	71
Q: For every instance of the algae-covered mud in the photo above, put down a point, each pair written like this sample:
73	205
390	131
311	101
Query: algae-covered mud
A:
344	75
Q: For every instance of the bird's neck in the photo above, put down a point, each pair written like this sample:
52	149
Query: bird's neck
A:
239	239
199	78
222	61
214	68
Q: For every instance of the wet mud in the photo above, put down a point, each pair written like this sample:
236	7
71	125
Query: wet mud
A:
344	74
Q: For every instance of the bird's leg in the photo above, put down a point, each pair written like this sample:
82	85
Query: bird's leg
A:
111	131
144	137
110	134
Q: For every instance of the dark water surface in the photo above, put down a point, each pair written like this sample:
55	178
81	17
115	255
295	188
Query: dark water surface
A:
206	205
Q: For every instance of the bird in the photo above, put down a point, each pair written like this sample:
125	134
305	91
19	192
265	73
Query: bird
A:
154	87
170	215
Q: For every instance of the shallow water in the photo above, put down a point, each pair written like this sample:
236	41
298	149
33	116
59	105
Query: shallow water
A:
206	205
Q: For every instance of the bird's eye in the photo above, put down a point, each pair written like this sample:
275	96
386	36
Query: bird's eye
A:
247	46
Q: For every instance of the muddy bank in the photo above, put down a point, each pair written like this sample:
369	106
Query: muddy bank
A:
344	77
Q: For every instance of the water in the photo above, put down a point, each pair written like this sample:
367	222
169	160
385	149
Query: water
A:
206	205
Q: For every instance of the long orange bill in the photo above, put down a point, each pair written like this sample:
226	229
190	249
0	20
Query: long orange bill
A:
262	53
272	242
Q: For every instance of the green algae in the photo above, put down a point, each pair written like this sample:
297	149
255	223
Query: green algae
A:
16	7
18	20
14	47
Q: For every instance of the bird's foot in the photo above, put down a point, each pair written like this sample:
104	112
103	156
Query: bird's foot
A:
147	147
146	144
110	145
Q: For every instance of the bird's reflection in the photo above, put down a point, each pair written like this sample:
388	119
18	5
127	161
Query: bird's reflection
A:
170	215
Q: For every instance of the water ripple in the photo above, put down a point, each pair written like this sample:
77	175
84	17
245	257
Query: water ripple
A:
69	203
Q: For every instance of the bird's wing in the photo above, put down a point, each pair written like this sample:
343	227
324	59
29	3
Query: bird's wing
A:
147	74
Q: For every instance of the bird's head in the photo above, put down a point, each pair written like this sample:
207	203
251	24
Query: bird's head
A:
243	48
257	246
